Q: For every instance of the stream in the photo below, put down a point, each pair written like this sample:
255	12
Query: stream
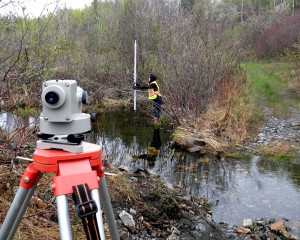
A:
238	189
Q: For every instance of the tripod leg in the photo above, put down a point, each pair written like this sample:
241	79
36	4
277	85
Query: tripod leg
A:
63	217
105	199
95	196
19	205
16	212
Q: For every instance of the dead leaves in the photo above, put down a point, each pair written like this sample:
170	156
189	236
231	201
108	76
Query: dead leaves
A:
277	228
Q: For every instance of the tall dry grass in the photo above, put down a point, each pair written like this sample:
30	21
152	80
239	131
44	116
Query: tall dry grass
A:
227	120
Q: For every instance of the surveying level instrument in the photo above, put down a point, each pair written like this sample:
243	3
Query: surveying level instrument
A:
77	164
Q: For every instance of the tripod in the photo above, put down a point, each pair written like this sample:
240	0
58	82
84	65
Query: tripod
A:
74	172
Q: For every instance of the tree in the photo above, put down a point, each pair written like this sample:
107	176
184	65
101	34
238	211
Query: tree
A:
187	5
28	52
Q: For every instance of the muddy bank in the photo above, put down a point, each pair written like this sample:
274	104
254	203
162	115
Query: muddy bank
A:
156	210
160	211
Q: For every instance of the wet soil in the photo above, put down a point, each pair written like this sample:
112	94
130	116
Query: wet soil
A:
162	212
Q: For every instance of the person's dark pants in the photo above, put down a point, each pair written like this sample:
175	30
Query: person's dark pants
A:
156	107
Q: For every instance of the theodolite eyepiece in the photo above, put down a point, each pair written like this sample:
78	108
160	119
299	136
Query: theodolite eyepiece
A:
52	97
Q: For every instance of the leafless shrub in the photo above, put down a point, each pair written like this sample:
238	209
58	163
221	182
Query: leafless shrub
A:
279	37
225	121
294	70
201	51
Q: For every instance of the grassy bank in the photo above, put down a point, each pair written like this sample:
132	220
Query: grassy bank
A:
274	93
267	90
270	86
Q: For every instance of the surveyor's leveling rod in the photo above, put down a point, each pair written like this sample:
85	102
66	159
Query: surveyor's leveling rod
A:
134	76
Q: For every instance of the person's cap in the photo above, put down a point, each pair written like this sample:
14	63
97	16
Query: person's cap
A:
152	77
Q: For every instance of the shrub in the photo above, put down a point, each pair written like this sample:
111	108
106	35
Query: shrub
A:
281	36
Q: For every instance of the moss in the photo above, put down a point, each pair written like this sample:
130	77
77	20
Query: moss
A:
181	137
281	150
286	158
238	155
26	112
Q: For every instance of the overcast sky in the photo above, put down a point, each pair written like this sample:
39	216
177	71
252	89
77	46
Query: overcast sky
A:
35	7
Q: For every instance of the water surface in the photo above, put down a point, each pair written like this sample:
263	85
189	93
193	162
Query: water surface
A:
237	188
9	122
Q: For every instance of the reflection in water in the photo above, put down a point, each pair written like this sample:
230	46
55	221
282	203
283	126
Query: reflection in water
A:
9	122
243	189
123	135
153	150
238	189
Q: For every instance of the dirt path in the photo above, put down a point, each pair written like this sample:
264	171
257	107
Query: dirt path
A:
279	130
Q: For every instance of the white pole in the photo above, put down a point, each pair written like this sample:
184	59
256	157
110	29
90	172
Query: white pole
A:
134	77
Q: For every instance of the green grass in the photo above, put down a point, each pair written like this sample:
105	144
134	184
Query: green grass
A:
269	84
287	158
